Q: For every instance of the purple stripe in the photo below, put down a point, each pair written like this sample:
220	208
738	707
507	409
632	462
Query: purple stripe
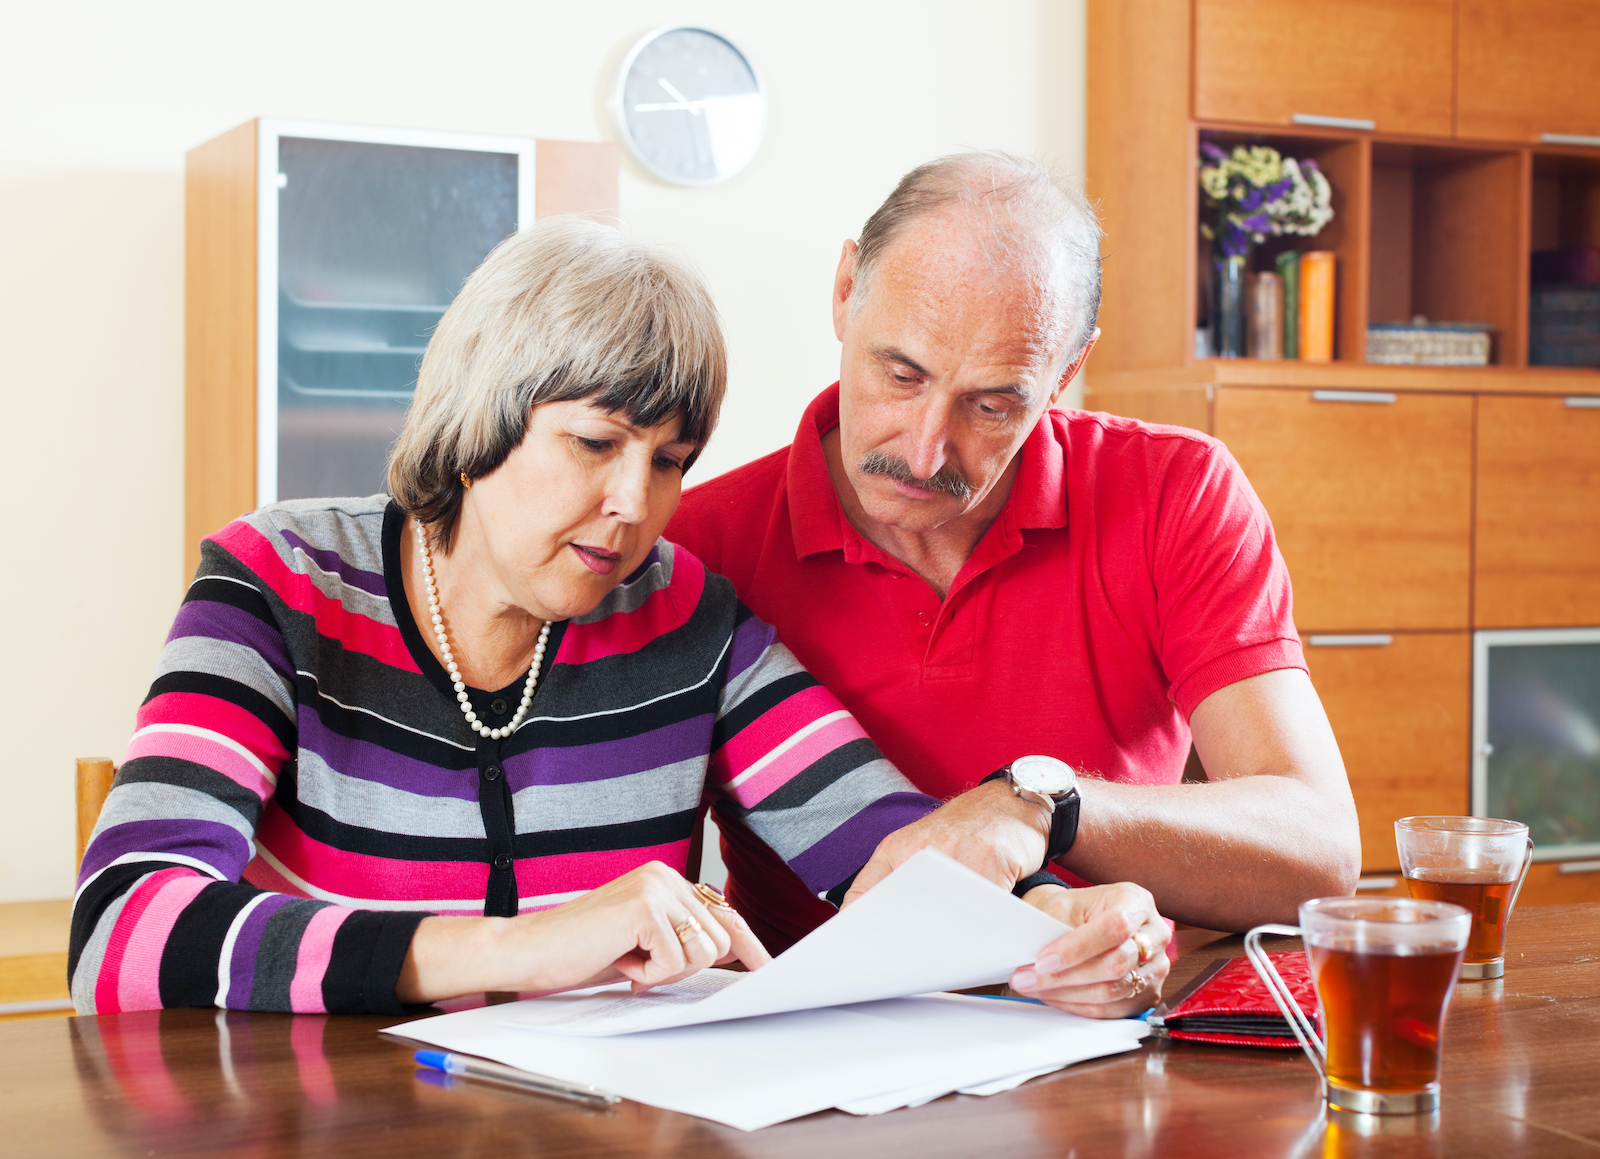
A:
366	761
242	969
218	621
218	845
850	846
750	640
653	558
579	764
356	577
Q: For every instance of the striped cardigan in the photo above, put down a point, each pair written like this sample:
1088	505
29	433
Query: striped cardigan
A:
302	789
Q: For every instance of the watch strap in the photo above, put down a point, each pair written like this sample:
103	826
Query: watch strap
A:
1063	820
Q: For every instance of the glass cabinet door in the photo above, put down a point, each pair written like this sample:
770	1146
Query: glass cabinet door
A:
1536	720
373	242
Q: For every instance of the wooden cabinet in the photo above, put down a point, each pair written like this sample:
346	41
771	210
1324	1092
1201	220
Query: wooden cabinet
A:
1526	68
1371	501
360	238
1401	712
1387	62
1537	563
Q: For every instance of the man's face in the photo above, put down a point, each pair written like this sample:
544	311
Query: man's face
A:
947	365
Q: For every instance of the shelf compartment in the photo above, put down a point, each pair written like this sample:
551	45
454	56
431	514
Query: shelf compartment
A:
1448	230
1346	162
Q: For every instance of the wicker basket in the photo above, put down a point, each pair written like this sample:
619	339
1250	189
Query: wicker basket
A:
1428	343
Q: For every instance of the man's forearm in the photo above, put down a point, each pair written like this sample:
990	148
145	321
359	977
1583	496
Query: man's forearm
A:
1225	855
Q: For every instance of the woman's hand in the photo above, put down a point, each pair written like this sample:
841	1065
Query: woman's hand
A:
648	926
1113	961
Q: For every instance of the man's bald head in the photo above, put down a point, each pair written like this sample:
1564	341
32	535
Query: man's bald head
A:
1020	218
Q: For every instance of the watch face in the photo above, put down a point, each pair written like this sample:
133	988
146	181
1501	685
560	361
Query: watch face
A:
690	106
1043	775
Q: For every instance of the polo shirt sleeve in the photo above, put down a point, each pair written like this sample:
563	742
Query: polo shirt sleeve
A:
1224	603
797	769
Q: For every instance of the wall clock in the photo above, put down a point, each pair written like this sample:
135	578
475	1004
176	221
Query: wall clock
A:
689	105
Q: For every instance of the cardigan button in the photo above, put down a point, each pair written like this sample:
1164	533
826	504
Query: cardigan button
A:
502	863
492	773
498	706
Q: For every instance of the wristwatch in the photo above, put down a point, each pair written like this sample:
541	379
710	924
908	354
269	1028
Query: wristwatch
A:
1053	784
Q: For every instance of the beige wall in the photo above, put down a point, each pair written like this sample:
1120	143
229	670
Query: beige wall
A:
102	99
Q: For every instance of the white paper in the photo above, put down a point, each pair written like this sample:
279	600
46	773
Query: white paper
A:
931	925
754	1072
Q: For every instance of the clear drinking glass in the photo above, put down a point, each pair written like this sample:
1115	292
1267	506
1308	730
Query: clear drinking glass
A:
1478	863
1384	970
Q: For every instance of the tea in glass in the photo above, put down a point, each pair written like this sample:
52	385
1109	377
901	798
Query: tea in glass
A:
1477	863
1384	970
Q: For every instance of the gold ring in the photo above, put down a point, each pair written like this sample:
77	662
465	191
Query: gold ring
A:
1146	944
1135	984
712	897
688	930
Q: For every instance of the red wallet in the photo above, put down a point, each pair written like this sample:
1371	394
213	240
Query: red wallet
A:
1227	1003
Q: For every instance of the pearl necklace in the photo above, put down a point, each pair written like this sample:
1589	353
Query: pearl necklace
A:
455	673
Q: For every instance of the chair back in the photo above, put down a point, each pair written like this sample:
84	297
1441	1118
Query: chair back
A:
94	783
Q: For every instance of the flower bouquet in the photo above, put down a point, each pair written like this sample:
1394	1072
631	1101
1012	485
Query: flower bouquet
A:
1254	193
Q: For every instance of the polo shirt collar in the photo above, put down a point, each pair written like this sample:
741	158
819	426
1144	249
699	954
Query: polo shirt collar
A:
1038	498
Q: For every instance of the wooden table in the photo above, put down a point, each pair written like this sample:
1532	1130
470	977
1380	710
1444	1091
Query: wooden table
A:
1521	1077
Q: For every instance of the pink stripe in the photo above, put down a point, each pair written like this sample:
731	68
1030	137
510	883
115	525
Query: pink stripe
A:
758	738
663	611
311	963
261	875
567	872
219	716
105	983
796	760
357	633
205	751
360	875
423	883
139	979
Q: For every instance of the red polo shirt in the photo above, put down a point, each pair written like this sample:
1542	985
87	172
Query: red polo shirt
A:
1131	573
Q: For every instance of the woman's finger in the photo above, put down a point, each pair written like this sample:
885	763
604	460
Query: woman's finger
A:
742	941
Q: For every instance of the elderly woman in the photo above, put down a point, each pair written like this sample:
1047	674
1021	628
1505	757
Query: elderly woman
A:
498	694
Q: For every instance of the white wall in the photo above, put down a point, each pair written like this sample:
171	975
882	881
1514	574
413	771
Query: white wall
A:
102	99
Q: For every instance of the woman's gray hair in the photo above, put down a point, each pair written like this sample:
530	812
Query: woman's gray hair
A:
570	309
1031	223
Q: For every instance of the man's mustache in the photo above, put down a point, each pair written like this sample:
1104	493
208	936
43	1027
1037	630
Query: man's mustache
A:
946	480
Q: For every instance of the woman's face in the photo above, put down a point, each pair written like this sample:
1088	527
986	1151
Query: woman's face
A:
574	509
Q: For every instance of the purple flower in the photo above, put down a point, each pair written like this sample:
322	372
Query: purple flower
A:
1212	152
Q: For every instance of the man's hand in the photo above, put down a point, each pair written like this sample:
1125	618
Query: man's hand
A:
988	829
1111	964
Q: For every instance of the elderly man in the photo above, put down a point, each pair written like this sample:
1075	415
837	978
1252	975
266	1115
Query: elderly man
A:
980	577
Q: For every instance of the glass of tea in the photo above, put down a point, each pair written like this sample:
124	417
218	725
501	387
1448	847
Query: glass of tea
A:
1478	863
1384	969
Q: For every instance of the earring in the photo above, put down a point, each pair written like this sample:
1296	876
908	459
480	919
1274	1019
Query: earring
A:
466	482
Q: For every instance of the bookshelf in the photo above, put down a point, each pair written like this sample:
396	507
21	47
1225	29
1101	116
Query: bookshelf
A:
1414	505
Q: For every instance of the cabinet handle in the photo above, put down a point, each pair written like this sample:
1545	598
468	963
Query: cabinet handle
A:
1587	401
1579	867
1376	883
1368	641
1569	139
1378	396
1347	122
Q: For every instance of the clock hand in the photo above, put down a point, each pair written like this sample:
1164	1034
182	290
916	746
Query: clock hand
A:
692	106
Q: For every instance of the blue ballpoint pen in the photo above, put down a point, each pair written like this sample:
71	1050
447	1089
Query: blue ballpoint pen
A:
493	1072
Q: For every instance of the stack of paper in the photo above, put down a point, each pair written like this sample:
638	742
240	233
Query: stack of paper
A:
754	1049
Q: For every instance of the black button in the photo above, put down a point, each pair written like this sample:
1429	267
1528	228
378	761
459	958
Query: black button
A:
502	863
498	706
492	773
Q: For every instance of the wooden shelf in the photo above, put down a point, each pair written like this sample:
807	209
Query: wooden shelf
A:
1292	375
